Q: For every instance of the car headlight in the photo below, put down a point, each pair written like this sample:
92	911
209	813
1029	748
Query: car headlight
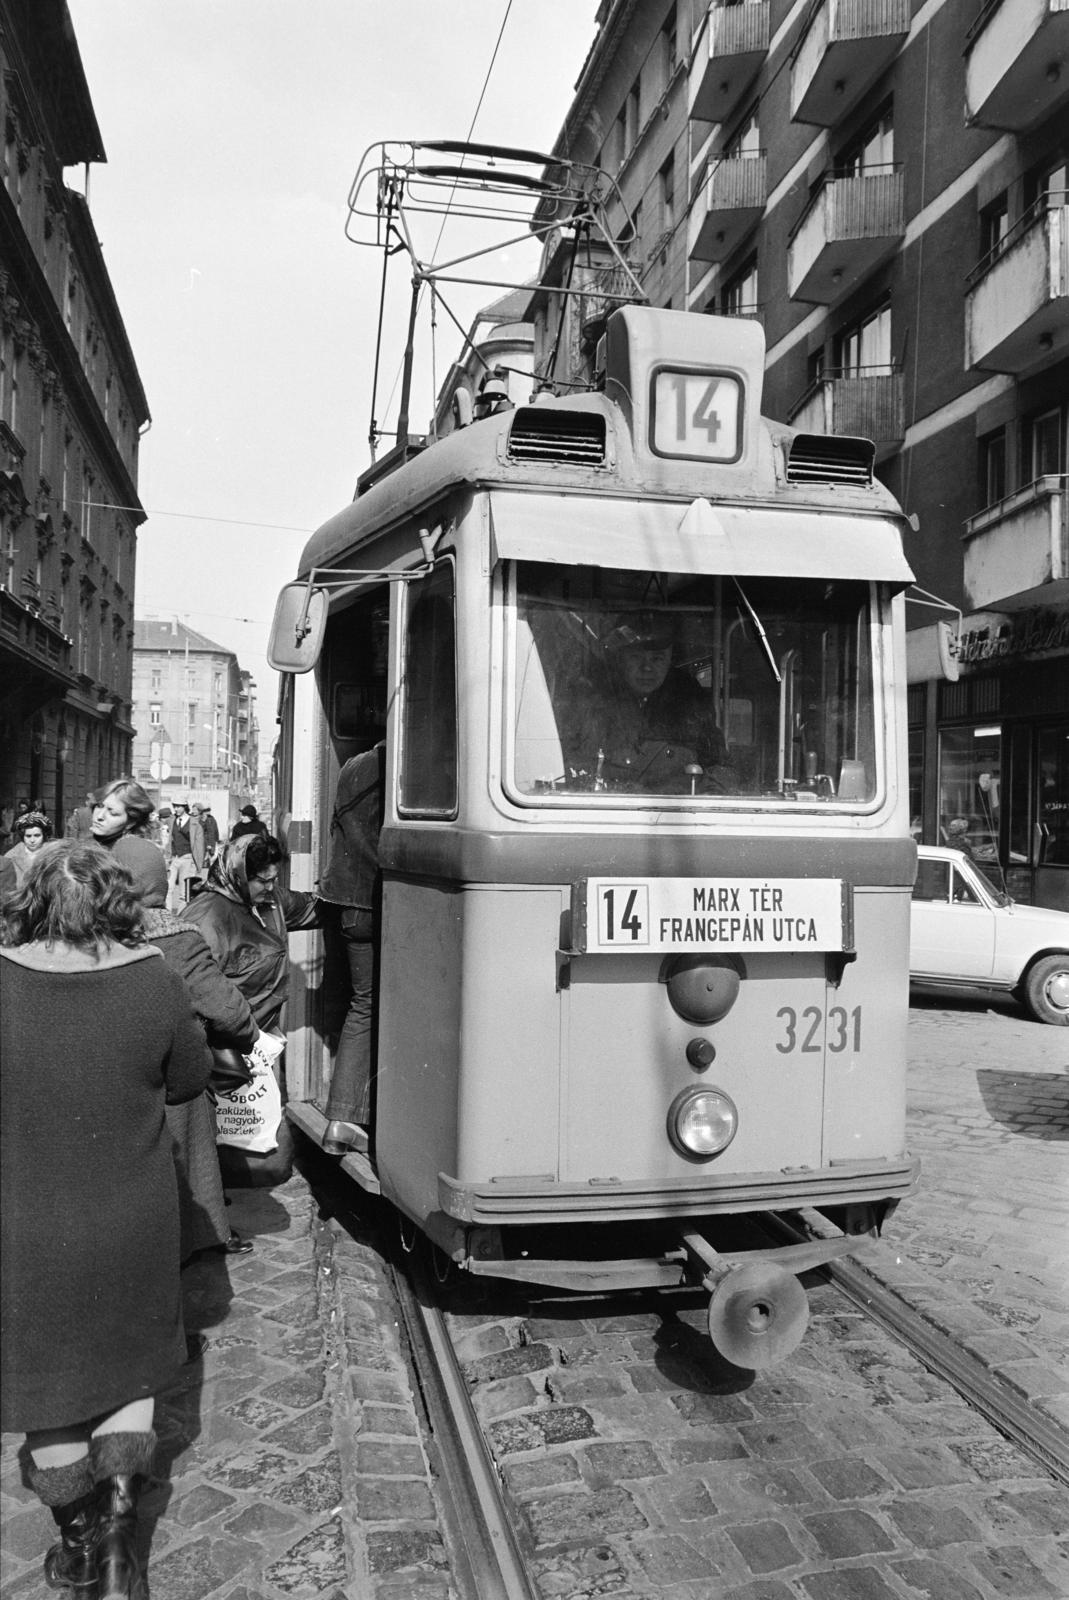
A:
702	1121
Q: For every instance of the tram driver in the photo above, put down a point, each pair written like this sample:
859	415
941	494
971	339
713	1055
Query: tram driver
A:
653	728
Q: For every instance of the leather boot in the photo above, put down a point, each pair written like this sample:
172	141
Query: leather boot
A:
71	1496
119	1460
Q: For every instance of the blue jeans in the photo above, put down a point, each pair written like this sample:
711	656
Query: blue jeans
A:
350	1082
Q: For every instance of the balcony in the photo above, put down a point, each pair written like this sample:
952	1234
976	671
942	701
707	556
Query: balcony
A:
731	204
850	226
1017	64
1017	299
732	43
1018	549
842	52
867	402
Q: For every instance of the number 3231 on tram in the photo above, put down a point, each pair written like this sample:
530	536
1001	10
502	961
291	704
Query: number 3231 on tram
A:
638	658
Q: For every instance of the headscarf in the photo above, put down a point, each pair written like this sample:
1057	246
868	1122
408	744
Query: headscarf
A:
227	874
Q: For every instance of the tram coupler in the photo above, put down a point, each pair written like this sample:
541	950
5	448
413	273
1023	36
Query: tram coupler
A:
758	1312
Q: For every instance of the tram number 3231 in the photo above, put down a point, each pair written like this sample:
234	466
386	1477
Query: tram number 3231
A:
802	1030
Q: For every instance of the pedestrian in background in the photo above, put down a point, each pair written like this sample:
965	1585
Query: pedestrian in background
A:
33	830
198	846
211	835
80	821
351	882
248	823
97	1035
181	867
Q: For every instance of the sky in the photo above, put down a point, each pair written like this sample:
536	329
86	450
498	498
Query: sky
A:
233	131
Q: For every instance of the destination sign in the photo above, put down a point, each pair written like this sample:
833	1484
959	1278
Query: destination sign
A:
660	915
696	414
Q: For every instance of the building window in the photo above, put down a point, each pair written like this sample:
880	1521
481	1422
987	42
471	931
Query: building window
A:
668	194
865	343
634	113
874	147
668	47
739	297
619	139
1044	452
155	714
746	140
993	468
191	713
1048	184
994	226
157	680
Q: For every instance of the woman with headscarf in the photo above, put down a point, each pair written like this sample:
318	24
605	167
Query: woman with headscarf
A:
97	1035
34	830
246	918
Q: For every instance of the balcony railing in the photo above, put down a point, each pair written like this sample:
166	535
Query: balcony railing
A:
1019	545
1015	64
1017	297
867	402
843	50
732	43
852	223
734	201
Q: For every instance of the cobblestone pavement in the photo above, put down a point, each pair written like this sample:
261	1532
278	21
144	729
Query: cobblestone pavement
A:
292	1461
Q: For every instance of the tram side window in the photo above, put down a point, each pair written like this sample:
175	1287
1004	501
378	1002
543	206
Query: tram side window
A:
428	779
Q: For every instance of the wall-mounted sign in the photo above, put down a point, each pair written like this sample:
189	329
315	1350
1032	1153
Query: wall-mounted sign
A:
990	637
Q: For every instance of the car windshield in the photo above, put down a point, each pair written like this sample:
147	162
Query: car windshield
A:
625	683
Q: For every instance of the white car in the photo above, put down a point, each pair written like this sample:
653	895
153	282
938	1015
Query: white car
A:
965	934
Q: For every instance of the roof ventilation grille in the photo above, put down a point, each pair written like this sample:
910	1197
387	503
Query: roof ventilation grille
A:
830	458
574	438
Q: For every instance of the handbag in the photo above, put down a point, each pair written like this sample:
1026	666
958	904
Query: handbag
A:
230	1070
248	1116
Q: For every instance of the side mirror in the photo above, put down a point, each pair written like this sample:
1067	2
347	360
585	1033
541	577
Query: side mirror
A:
297	629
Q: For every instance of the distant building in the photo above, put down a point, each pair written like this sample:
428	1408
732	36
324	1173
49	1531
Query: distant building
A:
884	185
71	413
195	712
500	340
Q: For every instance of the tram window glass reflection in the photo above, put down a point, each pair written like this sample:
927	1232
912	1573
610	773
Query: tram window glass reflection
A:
628	682
428	772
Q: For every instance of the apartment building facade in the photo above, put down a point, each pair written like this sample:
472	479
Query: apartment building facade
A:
195	711
884	184
72	410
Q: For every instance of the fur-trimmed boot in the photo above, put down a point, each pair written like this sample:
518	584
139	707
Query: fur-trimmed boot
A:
70	1494
119	1460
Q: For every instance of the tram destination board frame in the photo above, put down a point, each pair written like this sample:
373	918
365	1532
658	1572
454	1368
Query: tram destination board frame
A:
678	916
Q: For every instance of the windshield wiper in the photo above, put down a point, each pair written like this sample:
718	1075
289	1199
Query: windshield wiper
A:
760	630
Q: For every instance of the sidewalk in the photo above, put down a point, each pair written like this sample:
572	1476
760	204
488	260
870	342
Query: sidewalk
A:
291	1453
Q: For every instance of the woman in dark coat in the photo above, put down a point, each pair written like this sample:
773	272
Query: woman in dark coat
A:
96	1036
121	814
246	918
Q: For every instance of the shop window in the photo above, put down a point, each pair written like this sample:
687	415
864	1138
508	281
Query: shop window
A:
429	699
970	766
916	781
993	468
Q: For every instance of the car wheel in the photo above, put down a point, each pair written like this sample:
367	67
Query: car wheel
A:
1046	990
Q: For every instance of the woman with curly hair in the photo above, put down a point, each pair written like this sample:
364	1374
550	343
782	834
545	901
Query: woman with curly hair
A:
34	830
96	1036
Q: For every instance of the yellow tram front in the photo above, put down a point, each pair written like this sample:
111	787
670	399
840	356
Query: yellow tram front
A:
646	857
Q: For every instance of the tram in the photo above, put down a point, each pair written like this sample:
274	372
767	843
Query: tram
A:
639	659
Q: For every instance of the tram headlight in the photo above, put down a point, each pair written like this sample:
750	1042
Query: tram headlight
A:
702	1121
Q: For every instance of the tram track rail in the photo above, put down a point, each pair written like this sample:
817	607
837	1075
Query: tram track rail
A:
1037	1436
483	1536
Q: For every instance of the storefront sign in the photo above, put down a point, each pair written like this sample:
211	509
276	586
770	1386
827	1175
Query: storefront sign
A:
990	637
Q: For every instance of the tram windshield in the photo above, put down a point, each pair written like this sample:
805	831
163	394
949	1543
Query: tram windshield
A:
626	683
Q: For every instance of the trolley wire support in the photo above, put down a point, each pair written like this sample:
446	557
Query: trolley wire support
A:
401	186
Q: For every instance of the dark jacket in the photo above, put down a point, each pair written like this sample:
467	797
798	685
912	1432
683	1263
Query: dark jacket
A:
350	874
217	1001
250	948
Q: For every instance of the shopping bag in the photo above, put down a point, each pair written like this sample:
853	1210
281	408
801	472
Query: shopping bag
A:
248	1116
